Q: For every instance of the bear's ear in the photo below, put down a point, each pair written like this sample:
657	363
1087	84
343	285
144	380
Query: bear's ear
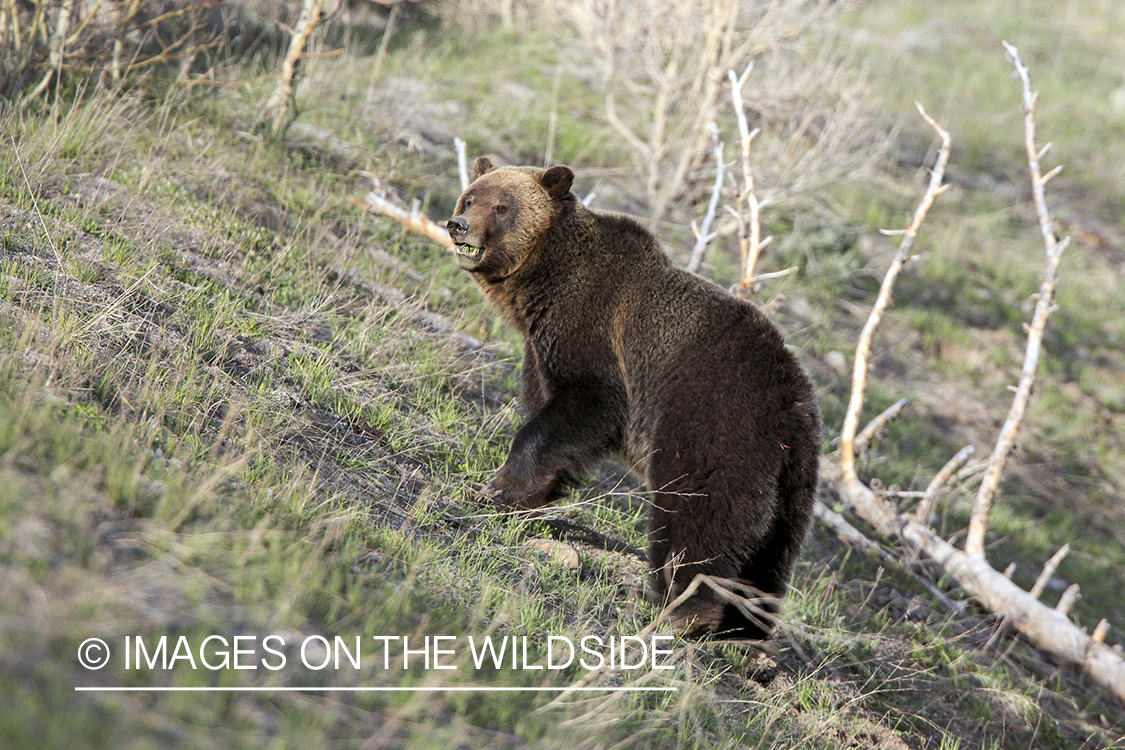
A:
557	181
482	166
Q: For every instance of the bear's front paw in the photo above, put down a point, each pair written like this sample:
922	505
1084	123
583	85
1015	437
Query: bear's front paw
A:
506	495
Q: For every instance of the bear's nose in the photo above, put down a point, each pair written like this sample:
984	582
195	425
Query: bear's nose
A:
457	226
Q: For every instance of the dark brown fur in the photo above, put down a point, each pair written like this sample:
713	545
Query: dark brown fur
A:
626	354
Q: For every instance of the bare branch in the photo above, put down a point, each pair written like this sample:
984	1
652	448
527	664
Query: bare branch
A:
864	438
462	162
281	108
863	348
703	234
414	221
57	48
982	505
1049	570
925	510
1099	634
853	536
1047	628
749	233
1068	598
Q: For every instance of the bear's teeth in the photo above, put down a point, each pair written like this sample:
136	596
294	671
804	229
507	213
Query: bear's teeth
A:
469	250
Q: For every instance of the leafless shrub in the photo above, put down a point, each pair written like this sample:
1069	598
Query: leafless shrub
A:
281	108
42	40
476	15
663	64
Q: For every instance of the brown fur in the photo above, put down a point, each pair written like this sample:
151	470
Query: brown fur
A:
626	354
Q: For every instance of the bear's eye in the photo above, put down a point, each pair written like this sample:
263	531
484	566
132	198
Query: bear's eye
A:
501	210
466	203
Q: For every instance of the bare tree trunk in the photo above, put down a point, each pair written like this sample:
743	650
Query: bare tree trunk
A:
57	48
281	108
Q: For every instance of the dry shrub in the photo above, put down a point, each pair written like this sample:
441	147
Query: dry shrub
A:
816	128
662	67
42	40
664	63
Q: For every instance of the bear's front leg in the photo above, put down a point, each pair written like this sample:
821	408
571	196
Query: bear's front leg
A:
550	452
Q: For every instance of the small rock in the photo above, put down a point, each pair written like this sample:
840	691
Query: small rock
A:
838	362
560	552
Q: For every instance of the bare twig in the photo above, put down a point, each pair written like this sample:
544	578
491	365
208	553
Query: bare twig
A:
749	232
1048	570
462	162
924	512
875	426
703	233
863	348
1068	599
982	505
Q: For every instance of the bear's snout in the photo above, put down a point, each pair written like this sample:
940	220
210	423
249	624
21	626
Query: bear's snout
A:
458	226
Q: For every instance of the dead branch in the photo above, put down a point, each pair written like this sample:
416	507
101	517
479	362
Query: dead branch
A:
1048	570
703	233
462	162
57	48
853	536
924	512
1046	628
876	425
1068	598
414	220
863	348
1098	636
982	505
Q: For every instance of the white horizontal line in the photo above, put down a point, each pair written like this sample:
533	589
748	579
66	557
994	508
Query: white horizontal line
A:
435	689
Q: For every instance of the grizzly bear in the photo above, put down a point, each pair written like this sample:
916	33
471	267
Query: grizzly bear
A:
625	354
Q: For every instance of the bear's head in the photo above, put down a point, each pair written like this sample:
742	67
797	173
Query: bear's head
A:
502	218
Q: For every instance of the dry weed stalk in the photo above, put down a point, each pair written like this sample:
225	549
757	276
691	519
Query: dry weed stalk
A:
1048	628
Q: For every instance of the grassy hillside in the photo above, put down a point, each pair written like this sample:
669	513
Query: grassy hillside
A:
234	405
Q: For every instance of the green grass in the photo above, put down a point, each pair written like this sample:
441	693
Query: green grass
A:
215	419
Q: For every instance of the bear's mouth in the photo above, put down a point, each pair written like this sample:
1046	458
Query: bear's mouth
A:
470	252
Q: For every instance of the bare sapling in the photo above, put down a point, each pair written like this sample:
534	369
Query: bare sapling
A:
863	348
281	108
747	211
